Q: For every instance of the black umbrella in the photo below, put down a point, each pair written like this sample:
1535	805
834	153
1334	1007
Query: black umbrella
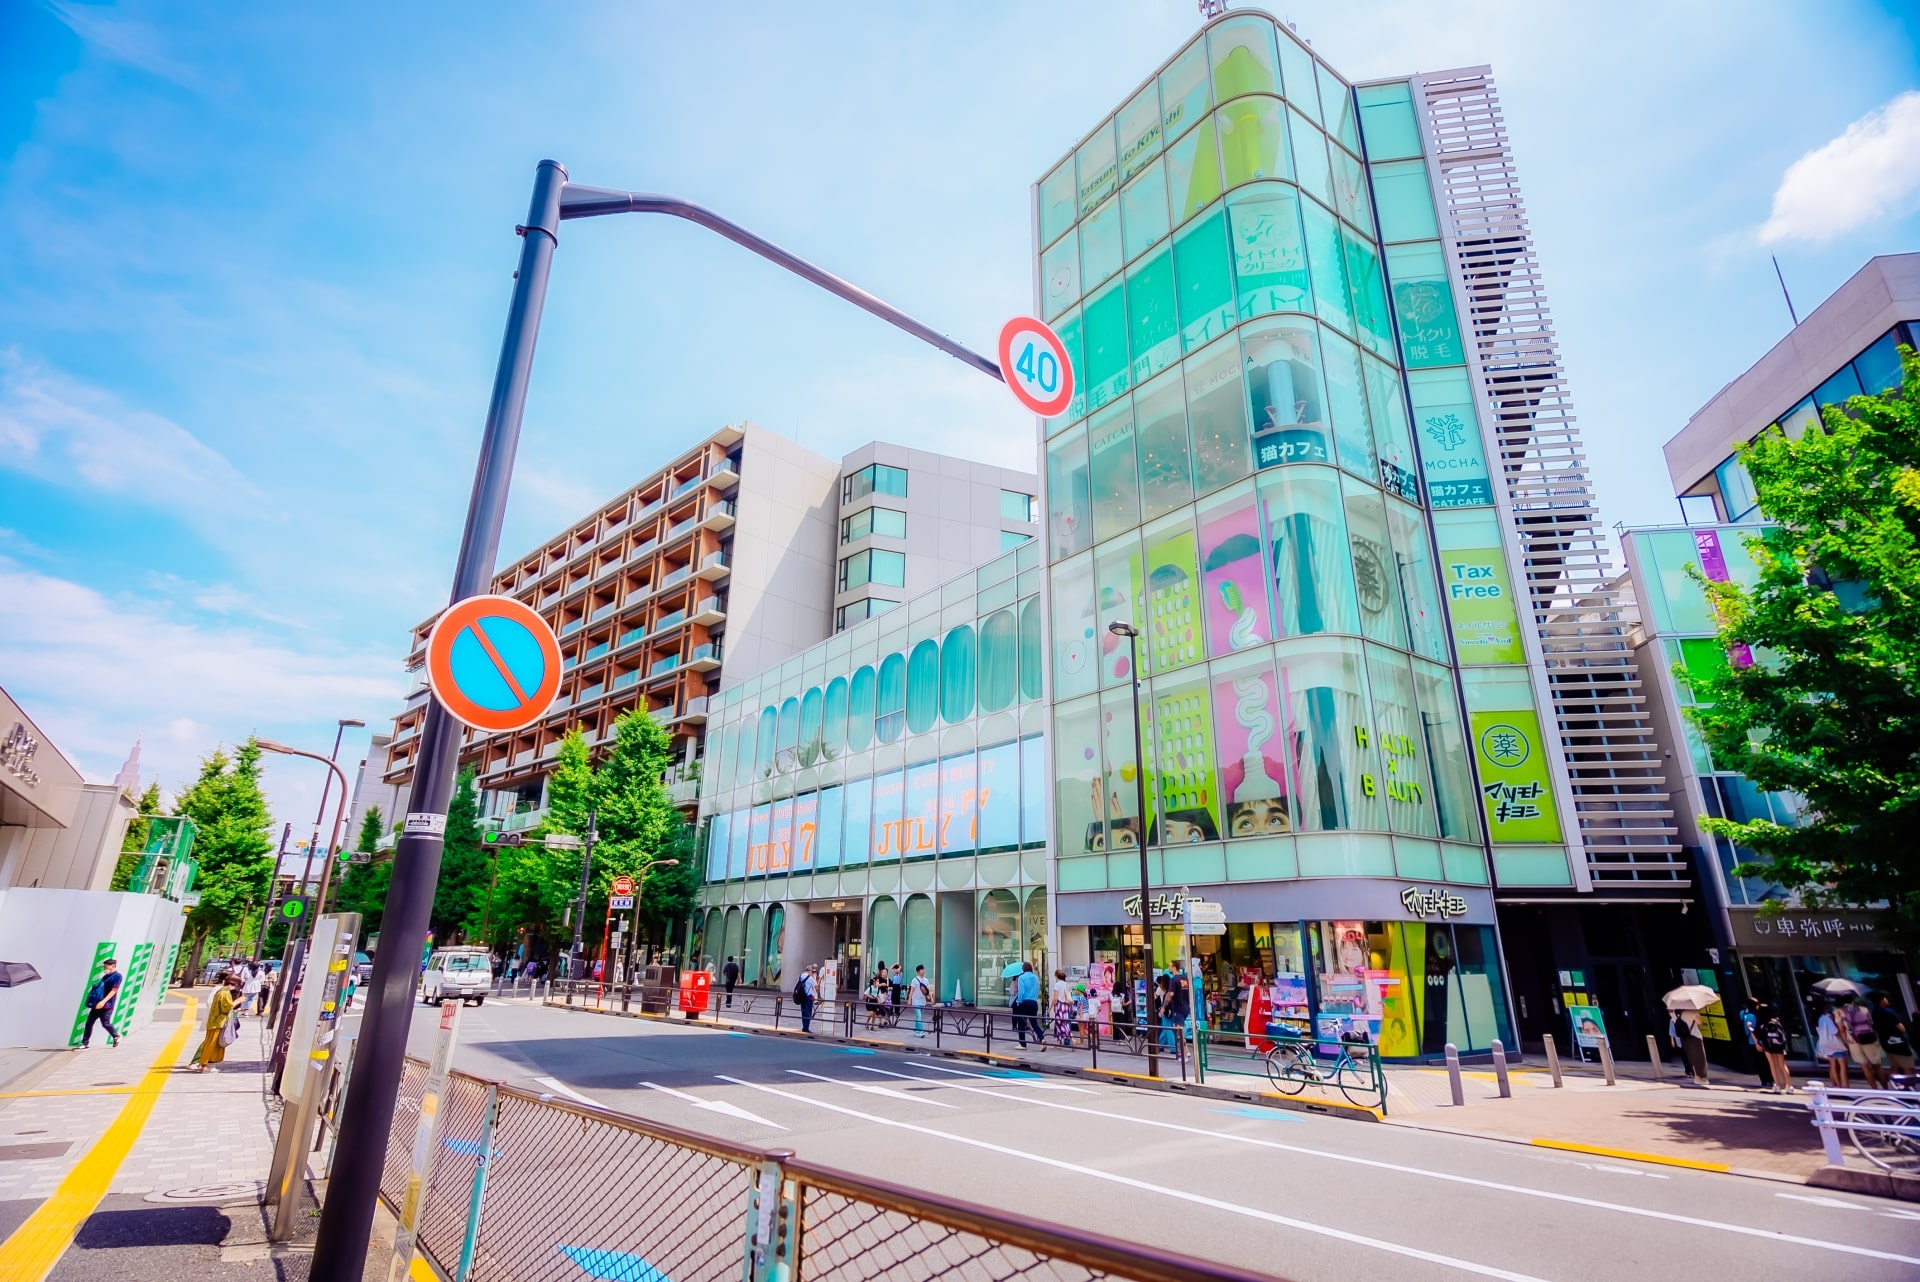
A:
14	974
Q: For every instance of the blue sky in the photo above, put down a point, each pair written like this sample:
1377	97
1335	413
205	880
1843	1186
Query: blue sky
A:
254	263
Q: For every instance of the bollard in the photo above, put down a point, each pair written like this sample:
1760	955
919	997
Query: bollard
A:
1453	1076
1823	1119
1606	1059
1653	1053
1500	1069
1553	1059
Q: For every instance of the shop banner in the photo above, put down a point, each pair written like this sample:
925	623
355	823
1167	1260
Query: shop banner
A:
1589	1026
1480	606
1515	789
1451	456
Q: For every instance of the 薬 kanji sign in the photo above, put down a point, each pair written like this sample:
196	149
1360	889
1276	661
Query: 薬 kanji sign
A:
1516	791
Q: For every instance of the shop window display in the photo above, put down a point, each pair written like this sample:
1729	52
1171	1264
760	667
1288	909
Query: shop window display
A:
1284	393
1076	648
1143	210
1307	546
1117	583
1217	417
1166	466
1233	581
1269	251
1153	328
1376	573
1193	172
1033	928
1114	471
1363	996
754	951
1069	500
998	946
1137	130
1253	142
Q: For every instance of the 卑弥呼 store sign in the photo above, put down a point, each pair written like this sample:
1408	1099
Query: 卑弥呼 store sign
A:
16	755
1806	931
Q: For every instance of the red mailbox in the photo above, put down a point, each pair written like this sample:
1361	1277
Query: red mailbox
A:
694	987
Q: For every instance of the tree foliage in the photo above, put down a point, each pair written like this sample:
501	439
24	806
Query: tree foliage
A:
463	865
372	825
1829	708
231	843
134	846
363	887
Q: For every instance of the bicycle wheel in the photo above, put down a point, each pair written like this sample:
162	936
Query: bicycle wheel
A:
1889	1149
1356	1082
1283	1069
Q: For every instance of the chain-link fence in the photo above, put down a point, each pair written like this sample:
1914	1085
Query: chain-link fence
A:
529	1188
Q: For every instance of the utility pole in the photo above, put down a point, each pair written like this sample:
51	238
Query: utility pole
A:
575	969
260	940
1144	1015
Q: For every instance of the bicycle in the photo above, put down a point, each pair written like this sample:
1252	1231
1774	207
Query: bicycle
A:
1292	1066
1887	1131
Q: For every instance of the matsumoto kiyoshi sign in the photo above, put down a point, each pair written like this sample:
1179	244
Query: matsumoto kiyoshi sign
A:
1516	790
1432	903
1171	906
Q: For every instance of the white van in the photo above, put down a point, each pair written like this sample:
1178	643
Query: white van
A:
465	973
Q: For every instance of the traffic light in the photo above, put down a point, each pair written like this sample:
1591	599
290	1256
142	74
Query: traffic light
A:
494	840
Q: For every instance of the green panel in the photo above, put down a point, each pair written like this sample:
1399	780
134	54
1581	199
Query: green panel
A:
1105	317
1418	860
1072	331
1465	864
1346	855
1375	331
1535	866
1262	859
1515	787
1153	327
1703	658
132	989
1405	202
101	951
1123	870
1195	865
1478	587
1203	271
1423	300
1387	121
1452	458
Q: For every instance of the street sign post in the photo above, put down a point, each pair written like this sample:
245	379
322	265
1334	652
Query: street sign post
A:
1034	362
623	886
493	663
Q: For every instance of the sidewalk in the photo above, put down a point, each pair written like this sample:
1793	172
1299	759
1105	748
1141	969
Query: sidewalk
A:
1722	1128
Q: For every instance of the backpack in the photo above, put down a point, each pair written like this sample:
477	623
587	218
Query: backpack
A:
800	987
1773	1037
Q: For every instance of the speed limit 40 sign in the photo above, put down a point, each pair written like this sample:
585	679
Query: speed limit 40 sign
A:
1034	363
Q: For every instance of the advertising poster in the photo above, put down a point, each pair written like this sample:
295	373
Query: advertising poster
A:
1117	795
1429	333
1480	606
1516	790
1253	773
1173	600
757	856
959	804
1233	578
921	821
997	793
780	838
806	814
1077	640
1269	258
1116	572
887	791
1184	765
826	848
1451	457
1589	1026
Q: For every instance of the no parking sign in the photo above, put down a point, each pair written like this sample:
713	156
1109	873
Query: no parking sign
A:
493	663
1034	363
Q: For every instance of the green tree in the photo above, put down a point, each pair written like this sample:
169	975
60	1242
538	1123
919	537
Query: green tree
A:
534	885
463	864
1829	708
363	887
638	821
231	844
135	843
372	824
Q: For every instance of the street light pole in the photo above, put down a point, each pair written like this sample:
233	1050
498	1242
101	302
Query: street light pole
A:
339	810
575	968
1142	1015
305	927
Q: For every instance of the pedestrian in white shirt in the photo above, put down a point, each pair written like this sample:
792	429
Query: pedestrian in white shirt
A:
249	986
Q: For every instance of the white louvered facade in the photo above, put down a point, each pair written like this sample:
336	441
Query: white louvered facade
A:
1613	781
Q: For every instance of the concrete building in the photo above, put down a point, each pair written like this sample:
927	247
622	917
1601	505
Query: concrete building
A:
743	551
57	831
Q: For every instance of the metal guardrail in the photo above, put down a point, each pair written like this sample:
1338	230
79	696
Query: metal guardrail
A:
1883	1125
530	1188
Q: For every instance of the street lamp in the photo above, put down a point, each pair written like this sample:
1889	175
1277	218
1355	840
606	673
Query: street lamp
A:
339	810
574	968
306	874
1143	1015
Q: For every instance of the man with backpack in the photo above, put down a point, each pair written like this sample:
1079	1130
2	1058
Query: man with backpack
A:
729	976
1894	1039
804	992
1750	1022
1770	1038
920	994
100	1001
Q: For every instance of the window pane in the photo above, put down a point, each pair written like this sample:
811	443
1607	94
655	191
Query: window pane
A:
1336	107
1072	331
1879	366
1075	648
780	838
890	699
957	675
1327	713
997	789
1350	190
1386	118
789	737
1837	389
889	790
1253	144
1116	574
1369	294
1217	417
1185	769
1297	77
1284	392
1203	268
1154	330
999	660
810	712
758	856
1033	790
856	843
1376	580
1347	399
1269	256
888	523
1105	321
1118	789
959	804
1184	96
889	568
717	837
1423	300
1060	273
1737	494
739	856
1419	590
1030	668
1406	201
1310	165
890	480
1115	474
828	829
1232	573
1173	627
1094	166
1138	132
1193	172
1143	210
1253	773
1014	506
1242	50
1307	538
1391	436
1057	210
1077	798
806	830
1166	471
923	687
1446	752
1100	245
833	728
1068	498
1797	420
1328	264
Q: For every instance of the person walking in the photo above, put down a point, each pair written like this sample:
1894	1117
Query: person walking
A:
101	999
1026	1006
1770	1036
1895	1039
806	991
1683	1029
1863	1043
920	993
221	1028
249	986
1061	995
1830	1046
264	997
729	976
1750	1023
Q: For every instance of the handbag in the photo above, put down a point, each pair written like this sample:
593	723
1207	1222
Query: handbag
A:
231	1033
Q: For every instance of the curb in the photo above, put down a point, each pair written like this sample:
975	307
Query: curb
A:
1624	1155
1117	1077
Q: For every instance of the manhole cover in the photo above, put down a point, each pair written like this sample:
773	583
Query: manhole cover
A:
34	1152
213	1194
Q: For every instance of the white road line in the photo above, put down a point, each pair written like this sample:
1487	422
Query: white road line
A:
1011	1081
1305	1226
868	1089
1771	1235
719	1106
554	1084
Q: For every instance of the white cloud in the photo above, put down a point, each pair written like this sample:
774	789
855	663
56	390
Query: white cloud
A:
1871	170
66	432
93	672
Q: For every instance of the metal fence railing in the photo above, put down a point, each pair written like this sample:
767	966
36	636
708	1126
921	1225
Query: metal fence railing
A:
529	1188
1882	1125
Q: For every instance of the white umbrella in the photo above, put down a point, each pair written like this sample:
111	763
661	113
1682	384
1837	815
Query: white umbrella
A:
1834	986
1691	997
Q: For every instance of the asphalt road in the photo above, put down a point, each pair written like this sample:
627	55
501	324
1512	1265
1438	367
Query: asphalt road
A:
1302	1197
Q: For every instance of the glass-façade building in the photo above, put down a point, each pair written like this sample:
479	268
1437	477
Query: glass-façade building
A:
882	796
1258	319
